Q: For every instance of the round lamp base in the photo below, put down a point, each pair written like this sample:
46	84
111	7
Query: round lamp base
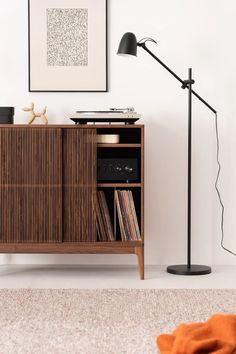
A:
194	269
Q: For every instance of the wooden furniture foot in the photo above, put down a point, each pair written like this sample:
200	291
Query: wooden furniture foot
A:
139	251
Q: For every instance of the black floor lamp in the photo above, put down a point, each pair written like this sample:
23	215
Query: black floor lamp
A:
128	46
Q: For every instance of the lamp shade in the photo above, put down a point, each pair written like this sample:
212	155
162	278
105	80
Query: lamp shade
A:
128	45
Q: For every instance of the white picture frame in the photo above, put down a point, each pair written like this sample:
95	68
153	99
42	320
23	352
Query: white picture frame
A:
67	45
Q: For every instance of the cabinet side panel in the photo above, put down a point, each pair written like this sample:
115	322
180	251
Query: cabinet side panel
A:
30	185
79	185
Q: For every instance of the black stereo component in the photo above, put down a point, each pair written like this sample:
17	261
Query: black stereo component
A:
117	169
7	115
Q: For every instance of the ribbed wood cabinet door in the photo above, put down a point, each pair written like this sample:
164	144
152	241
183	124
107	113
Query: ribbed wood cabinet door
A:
79	184
30	185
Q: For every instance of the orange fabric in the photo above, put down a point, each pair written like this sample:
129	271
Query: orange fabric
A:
217	335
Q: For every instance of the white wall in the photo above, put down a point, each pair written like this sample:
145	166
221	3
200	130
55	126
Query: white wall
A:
195	33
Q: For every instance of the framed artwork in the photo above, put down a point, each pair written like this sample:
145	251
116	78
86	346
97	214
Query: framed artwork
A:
67	45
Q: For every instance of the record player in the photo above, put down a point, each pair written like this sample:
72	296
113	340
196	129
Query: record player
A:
113	115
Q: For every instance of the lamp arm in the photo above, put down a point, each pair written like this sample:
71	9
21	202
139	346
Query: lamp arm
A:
143	45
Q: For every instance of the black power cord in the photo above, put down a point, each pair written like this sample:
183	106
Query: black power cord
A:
217	189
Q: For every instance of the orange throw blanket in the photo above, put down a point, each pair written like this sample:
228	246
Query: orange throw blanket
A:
217	335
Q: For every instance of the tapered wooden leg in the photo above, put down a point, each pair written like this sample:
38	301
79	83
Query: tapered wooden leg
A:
139	251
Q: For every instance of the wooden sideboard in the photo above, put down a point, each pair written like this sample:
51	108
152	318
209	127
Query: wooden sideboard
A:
48	188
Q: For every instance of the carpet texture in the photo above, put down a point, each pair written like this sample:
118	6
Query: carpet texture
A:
112	321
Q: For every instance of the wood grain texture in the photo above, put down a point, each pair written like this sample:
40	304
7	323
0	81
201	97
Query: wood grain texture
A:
48	188
142	183
30	161
126	185
79	185
75	126
118	146
129	247
139	251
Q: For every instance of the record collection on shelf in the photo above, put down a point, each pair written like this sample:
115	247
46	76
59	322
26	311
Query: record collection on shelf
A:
129	227
104	225
128	222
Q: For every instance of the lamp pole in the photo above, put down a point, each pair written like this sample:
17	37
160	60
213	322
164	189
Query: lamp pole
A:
128	46
143	45
189	268
189	219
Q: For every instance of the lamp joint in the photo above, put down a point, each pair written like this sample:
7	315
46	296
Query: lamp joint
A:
142	44
186	83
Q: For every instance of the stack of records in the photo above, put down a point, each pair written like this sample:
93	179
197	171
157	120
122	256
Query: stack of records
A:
129	227
104	225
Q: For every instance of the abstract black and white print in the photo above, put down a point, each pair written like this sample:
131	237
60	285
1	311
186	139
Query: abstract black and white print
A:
67	37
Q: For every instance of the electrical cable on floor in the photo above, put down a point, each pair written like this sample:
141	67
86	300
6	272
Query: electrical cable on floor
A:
217	189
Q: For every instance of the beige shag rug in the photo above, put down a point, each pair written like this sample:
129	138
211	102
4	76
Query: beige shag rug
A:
113	321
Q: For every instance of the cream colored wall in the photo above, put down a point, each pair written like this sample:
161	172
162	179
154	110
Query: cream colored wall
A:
197	34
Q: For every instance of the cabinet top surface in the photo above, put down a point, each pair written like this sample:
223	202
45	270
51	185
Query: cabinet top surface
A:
71	126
